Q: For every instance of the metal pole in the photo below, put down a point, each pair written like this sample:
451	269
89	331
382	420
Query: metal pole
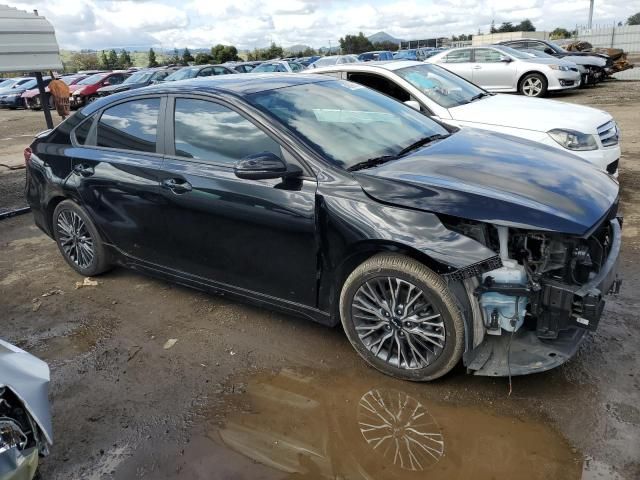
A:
591	14
43	101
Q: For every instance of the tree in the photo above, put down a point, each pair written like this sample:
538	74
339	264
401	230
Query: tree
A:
204	59
112	60
152	58
355	44
506	27
83	61
560	33
104	61
525	26
187	57
273	51
124	60
386	45
634	19
224	53
492	29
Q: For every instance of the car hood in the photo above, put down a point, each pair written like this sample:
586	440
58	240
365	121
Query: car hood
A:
585	59
121	87
537	114
498	179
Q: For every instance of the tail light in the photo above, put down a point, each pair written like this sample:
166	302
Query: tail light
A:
27	155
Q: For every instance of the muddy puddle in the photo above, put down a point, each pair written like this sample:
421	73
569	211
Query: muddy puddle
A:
297	424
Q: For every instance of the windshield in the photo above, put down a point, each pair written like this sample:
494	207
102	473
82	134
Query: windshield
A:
7	83
323	62
93	79
410	54
345	122
183	74
440	85
513	52
537	53
556	47
30	84
268	67
139	77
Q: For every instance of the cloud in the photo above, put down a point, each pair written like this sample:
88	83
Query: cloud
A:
255	23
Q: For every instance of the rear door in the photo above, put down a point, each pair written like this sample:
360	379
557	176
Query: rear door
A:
459	62
490	72
117	164
257	235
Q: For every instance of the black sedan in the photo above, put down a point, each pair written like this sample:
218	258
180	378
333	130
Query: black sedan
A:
141	78
329	200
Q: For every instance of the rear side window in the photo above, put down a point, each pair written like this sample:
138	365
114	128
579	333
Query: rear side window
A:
82	131
130	125
458	56
213	133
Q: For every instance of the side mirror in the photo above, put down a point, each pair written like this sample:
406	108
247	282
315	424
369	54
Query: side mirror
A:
413	104
262	166
505	59
106	83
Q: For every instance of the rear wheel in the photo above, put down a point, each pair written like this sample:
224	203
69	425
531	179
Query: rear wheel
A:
402	318
79	240
533	85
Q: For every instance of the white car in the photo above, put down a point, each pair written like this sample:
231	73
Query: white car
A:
587	132
504	69
278	66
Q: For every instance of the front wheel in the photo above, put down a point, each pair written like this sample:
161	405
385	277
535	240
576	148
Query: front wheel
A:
533	85
402	318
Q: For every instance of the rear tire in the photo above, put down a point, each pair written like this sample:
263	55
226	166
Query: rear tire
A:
533	85
78	240
402	318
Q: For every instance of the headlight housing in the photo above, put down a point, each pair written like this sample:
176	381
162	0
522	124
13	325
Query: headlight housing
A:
572	140
562	68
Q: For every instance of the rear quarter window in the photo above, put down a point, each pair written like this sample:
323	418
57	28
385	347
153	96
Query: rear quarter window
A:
130	125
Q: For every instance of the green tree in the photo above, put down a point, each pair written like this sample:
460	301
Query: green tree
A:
83	61
204	59
355	43
112	60
386	45
492	29
506	27
634	19
525	26
224	53
124	60
187	57
152	58
104	61
560	33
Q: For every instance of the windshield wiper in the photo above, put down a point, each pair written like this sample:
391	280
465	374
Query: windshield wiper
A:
372	162
478	96
420	143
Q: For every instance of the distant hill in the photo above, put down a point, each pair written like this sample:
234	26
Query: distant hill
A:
295	48
383	37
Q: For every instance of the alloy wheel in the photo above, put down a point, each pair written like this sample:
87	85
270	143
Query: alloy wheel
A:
75	240
532	87
397	323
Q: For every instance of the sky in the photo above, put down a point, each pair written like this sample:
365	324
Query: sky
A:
140	24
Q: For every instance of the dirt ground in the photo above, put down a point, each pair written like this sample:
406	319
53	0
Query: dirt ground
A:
245	393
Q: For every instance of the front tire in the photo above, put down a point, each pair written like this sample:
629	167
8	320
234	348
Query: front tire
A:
78	240
534	85
402	318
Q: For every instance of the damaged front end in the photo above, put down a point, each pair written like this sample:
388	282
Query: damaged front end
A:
25	418
531	314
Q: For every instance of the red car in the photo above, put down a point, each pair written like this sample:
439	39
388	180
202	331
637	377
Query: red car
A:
86	91
31	97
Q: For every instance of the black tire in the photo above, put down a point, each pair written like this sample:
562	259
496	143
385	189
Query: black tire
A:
64	215
533	85
436	297
90	99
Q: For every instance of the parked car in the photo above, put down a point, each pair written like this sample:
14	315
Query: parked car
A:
587	132
11	82
410	54
243	67
333	60
503	69
138	79
306	61
282	66
11	96
186	73
86	91
573	66
25	415
378	55
31	98
322	198
594	64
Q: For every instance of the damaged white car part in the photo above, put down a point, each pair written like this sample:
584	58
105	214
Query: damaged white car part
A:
25	417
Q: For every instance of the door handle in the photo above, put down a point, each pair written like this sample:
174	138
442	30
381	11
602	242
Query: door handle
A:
83	170
177	185
477	67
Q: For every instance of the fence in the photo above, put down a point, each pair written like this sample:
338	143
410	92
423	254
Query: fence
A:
627	38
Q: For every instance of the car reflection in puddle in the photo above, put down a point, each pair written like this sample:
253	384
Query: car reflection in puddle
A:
310	425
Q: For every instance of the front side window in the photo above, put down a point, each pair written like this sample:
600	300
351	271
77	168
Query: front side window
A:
220	71
131	125
344	122
92	80
458	56
487	55
440	85
210	132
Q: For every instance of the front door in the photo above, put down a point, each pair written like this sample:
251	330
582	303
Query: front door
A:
116	170
256	235
459	62
490	72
